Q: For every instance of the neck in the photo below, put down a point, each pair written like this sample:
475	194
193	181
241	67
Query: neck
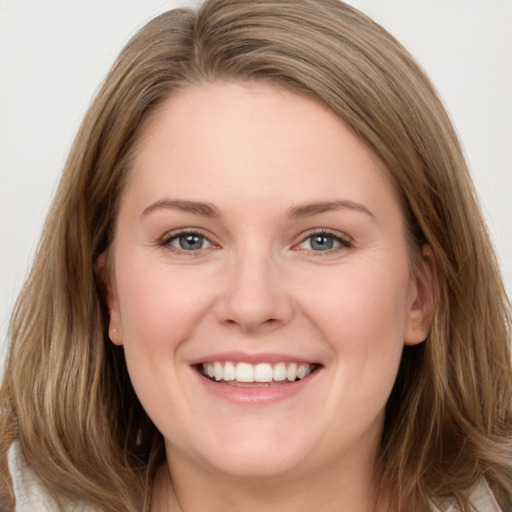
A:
195	488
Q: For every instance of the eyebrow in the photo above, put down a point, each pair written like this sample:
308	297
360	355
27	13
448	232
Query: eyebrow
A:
194	207
309	209
209	210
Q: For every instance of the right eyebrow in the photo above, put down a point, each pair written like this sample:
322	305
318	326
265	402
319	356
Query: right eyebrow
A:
310	209
194	207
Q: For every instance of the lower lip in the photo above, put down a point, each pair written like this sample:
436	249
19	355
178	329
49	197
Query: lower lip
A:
256	395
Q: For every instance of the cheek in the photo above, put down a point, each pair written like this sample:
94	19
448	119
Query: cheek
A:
368	338
159	306
160	310
362	314
366	303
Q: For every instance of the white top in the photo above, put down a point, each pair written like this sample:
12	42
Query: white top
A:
481	497
31	495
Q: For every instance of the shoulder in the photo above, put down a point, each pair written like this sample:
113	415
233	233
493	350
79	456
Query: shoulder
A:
480	497
29	491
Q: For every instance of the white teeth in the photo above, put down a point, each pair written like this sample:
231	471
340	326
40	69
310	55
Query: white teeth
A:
244	372
291	372
229	371
301	371
217	371
262	372
280	372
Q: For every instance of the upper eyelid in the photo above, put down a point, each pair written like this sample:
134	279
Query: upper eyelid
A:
173	234
345	243
327	232
176	233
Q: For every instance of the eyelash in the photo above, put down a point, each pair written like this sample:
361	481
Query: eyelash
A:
169	238
344	241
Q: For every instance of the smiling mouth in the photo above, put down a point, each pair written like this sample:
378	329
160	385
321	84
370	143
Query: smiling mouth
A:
261	374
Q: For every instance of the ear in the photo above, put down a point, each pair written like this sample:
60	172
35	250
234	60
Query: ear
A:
423	299
104	274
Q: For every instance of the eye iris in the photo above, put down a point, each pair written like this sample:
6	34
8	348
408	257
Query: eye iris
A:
322	242
191	242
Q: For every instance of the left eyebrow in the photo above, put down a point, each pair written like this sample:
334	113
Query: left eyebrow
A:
194	207
309	209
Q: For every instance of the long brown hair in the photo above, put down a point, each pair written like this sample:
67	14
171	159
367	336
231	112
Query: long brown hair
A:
66	395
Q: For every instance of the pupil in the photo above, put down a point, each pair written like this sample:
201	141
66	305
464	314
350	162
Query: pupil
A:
190	242
322	243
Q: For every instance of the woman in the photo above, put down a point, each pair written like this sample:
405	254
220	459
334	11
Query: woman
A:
264	282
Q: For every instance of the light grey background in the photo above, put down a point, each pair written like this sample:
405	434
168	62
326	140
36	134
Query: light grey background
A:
55	53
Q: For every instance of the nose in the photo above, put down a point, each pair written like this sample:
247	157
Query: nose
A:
255	295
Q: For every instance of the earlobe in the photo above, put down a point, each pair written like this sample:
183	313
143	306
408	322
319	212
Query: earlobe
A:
424	301
109	296
114	332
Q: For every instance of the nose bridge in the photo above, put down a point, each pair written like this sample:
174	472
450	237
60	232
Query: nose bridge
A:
255	294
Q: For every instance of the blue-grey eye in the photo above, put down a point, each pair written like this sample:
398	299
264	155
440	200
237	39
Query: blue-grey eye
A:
323	242
190	242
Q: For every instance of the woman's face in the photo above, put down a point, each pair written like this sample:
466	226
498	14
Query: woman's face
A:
259	239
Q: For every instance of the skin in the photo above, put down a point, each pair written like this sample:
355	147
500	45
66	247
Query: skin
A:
256	154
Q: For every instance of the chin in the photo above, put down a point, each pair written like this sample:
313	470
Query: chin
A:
252	455
256	465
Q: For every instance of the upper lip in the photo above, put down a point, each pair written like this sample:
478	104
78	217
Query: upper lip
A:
254	358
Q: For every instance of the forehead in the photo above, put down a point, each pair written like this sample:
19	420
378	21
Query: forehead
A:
217	140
